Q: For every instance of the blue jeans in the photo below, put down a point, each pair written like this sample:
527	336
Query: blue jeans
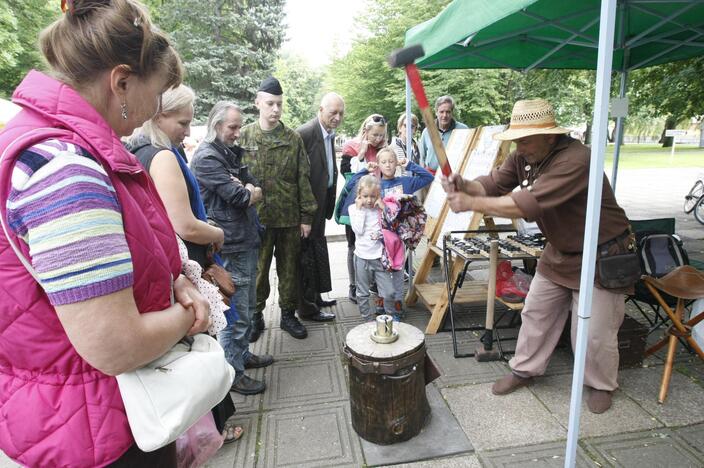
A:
233	339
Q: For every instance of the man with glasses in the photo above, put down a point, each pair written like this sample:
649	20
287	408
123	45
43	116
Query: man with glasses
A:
318	136
444	108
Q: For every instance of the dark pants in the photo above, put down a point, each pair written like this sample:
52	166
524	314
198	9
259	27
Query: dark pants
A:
285	245
164	457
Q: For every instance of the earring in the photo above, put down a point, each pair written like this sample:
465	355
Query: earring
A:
123	111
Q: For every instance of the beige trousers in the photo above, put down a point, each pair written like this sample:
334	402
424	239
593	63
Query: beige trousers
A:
544	316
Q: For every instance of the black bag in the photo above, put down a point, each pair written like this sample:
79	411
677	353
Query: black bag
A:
617	264
661	253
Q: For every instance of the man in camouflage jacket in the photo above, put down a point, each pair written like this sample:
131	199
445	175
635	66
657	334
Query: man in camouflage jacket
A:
277	158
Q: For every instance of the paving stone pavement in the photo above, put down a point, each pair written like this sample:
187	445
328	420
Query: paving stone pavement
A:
303	419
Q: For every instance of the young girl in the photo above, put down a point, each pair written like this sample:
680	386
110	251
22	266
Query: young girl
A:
419	178
356	153
365	219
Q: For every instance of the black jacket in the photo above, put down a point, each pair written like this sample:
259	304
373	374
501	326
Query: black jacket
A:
227	201
145	152
312	137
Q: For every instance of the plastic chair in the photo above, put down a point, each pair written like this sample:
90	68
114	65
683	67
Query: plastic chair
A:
684	283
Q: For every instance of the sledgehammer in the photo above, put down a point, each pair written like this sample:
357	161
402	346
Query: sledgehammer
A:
405	58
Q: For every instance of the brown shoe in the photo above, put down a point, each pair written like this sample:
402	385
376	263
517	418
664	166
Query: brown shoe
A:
509	383
598	401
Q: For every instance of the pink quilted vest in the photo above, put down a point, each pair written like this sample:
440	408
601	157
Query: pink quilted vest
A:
55	409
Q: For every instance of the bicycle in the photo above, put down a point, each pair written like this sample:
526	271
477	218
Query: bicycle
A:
694	200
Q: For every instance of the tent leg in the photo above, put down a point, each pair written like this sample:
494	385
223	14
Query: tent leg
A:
409	123
591	231
620	124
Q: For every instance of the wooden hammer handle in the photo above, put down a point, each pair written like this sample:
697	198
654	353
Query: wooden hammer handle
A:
435	139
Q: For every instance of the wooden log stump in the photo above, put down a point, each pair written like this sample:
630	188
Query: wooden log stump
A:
387	384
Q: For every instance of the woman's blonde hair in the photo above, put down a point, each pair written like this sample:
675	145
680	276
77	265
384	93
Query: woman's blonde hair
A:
374	120
173	100
369	181
94	36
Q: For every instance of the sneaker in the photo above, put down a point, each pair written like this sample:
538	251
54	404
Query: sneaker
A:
379	303
254	361
598	401
246	385
398	308
509	383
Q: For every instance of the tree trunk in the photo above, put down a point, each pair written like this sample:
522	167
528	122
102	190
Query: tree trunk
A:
701	134
669	125
588	134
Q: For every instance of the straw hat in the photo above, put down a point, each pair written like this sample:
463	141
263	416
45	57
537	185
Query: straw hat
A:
531	117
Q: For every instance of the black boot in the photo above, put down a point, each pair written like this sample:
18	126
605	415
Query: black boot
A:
290	324
257	326
352	294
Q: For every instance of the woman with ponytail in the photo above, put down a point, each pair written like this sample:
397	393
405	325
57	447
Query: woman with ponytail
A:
89	262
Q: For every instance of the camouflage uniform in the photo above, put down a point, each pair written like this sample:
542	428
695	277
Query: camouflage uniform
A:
279	161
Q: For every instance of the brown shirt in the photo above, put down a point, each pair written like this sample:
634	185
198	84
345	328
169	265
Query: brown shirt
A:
557	202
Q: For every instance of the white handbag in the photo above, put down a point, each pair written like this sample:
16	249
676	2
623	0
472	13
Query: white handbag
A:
164	398
167	396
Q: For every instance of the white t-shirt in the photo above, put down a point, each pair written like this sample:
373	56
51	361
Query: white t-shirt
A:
367	229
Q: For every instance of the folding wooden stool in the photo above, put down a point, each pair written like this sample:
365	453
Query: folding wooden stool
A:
683	283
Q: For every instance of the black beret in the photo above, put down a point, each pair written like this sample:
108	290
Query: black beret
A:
272	86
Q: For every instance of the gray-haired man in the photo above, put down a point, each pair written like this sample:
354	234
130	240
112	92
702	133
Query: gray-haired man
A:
444	113
229	194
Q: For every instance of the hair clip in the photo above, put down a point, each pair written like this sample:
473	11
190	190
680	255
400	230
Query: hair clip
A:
67	6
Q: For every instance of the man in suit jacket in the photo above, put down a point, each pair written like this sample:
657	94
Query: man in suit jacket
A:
318	137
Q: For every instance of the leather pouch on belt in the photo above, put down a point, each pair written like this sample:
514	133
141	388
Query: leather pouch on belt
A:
617	264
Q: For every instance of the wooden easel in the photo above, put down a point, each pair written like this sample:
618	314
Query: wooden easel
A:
434	295
433	226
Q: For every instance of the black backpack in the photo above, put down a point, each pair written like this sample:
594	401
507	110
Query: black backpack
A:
661	253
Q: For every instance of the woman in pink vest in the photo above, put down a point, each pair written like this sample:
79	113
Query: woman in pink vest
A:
82	211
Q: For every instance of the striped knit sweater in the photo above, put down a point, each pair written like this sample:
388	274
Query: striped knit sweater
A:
63	205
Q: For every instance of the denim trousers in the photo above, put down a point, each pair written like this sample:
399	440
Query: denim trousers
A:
242	266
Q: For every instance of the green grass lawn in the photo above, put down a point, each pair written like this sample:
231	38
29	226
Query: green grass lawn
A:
635	156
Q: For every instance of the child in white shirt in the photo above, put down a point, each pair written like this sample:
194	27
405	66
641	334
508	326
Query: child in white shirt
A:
365	219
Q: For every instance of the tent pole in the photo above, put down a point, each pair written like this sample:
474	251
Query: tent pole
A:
618	140
591	227
409	154
409	126
620	124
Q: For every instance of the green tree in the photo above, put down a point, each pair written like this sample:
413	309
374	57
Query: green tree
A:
674	91
227	47
20	24
302	89
362	76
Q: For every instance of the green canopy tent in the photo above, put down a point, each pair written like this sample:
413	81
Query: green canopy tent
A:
589	34
527	34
